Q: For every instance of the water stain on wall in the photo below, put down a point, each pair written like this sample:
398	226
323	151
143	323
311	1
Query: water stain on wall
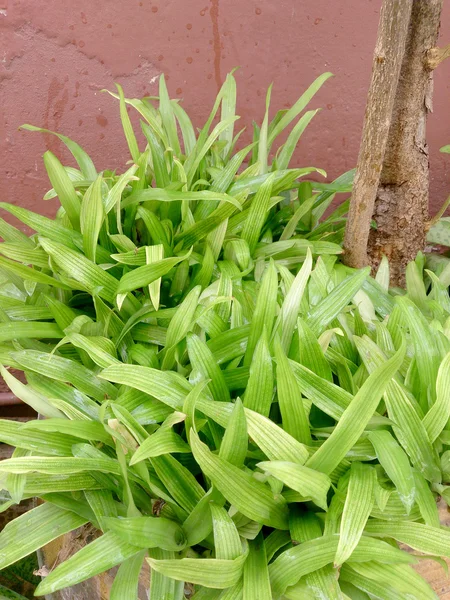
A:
214	14
57	99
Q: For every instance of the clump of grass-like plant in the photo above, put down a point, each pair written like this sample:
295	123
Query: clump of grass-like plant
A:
223	398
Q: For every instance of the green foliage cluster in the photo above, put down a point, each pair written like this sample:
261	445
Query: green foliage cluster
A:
222	397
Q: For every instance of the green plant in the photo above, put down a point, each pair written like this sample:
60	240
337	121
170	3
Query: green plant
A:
19	578
439	232
6	594
221	395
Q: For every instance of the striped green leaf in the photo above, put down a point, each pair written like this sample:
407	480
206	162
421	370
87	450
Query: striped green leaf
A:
258	396
430	540
149	532
226	537
103	553
257	214
287	318
126	581
328	309
79	268
163	441
147	274
65	370
293	414
209	572
256	573
34	529
437	417
357	508
396	464
273	440
265	310
294	563
355	417
204	365
64	188
91	217
308	483
84	161
251	497
234	445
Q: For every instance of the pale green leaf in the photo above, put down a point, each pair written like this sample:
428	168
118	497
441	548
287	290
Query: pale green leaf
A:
34	529
251	497
100	555
357	508
355	417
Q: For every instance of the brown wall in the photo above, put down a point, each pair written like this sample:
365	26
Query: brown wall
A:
56	56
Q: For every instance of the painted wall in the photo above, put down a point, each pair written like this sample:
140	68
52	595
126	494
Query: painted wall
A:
57	55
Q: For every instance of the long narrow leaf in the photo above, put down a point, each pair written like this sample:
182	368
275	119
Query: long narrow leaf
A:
355	417
357	508
251	497
34	529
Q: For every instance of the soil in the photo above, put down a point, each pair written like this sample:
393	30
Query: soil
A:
430	569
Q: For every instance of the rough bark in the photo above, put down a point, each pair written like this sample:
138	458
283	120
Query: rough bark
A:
387	62
401	206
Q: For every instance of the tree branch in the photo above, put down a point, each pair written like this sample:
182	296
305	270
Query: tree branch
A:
436	55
